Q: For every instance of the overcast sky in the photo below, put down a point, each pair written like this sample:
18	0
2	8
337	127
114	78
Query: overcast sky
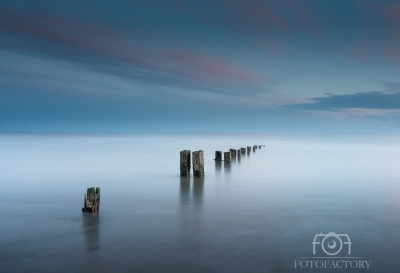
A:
199	66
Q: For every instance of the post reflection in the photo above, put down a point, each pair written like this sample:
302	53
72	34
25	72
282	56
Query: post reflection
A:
185	191
198	186
227	167
91	231
218	165
196	198
191	201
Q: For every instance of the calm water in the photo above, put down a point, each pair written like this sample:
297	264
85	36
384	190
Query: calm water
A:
259	214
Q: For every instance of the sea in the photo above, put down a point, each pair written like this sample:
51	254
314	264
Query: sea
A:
301	203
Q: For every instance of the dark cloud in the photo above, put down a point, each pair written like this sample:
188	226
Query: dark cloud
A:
366	100
393	87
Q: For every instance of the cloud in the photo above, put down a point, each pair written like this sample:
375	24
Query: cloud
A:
381	27
269	24
101	45
365	100
392	87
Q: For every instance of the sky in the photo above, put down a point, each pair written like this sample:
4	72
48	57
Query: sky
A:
199	66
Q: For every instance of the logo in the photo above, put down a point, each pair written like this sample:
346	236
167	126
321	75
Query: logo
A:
326	249
332	243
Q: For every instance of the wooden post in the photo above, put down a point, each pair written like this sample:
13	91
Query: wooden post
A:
243	150
254	148
92	200
185	163
233	153
259	146
198	163
218	156
248	149
227	157
239	153
98	199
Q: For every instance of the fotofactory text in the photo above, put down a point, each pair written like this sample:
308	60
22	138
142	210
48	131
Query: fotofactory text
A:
332	250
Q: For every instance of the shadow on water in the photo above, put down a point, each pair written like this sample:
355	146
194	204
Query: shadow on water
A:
91	231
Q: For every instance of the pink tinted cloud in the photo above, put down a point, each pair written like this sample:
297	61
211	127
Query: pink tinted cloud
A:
359	112
393	12
104	41
286	16
380	13
392	50
392	53
359	53
207	68
258	14
393	15
387	17
264	22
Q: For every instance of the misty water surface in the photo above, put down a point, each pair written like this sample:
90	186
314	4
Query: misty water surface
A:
258	214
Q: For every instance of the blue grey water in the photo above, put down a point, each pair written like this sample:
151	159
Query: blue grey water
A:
259	214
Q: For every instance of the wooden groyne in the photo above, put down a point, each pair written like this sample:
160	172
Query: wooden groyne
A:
198	163
91	201
233	153
227	157
218	156
185	163
197	159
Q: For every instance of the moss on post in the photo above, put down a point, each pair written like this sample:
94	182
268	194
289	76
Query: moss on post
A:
227	157
185	163
198	163
92	200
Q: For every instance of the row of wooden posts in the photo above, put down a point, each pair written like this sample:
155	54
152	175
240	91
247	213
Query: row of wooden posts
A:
92	196
198	159
198	163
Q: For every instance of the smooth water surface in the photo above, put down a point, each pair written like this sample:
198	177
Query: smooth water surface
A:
257	214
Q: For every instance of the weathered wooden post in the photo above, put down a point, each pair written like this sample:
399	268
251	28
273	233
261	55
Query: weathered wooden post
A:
239	153
218	156
233	153
254	148
227	157
243	150
185	163
248	149
259	146
92	200
198	163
